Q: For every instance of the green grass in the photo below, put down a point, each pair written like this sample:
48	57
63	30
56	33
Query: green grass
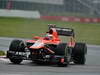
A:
2	53
27	28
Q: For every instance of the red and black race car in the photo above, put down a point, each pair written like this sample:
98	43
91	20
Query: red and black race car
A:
49	49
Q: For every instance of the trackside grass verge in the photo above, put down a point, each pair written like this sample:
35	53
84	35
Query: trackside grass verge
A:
2	53
27	28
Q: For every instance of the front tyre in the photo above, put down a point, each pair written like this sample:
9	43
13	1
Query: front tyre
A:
15	48
15	61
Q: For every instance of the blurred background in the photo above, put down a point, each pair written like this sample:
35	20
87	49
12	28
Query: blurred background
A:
79	8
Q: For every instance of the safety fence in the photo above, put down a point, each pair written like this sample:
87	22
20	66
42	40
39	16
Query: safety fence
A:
71	19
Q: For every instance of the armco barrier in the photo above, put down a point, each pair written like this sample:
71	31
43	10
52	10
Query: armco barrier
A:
19	13
71	19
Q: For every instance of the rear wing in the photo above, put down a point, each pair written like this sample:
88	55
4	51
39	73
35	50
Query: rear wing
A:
63	31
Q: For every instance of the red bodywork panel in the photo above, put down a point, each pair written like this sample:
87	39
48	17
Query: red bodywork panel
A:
39	42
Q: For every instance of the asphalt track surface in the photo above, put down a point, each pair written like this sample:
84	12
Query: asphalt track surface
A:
92	66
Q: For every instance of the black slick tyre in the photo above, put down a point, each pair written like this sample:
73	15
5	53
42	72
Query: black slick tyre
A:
60	51
16	46
15	61
79	53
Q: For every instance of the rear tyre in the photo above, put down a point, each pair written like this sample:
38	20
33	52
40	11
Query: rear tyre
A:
79	53
16	46
62	51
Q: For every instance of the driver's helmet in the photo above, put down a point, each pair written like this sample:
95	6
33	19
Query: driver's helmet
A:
49	36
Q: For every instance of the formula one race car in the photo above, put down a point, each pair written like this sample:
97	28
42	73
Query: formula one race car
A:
49	49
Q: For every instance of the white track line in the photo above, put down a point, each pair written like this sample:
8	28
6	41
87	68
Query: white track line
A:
2	56
10	74
3	59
